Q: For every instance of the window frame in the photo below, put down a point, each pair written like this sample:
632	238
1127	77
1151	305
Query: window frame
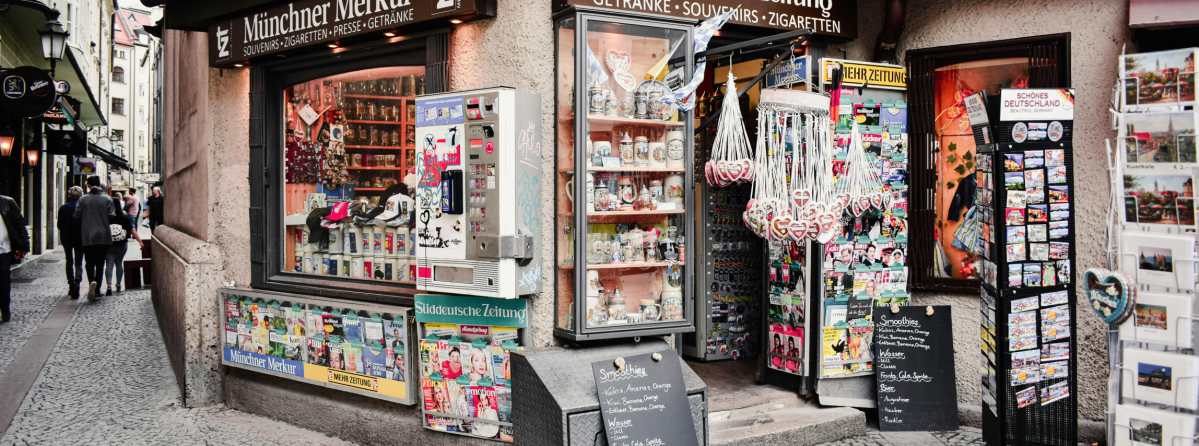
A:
118	75
122	107
267	82
1049	67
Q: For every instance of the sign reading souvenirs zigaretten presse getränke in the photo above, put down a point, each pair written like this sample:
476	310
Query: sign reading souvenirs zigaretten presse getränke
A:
311	22
838	18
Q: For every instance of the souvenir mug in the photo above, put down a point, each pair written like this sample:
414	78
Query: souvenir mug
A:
674	150
657	155
633	318
672	305
603	149
627	155
673	188
650	310
602	198
641	151
593	283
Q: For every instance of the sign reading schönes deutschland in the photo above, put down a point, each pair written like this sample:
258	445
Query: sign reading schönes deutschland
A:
316	22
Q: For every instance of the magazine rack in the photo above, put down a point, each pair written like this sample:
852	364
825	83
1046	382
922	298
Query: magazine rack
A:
1034	411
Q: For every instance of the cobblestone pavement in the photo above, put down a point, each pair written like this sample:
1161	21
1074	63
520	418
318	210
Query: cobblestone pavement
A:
31	303
108	380
966	436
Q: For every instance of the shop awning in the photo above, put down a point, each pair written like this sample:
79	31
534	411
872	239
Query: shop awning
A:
25	18
111	158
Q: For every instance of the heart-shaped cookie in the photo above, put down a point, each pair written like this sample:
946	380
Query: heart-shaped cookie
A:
618	60
780	226
1110	293
801	197
625	80
876	199
751	170
813	229
710	172
798	230
736	171
827	223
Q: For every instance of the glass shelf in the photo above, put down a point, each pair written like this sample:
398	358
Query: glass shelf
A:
623	214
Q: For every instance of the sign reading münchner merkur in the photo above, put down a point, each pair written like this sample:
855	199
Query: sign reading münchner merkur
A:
311	22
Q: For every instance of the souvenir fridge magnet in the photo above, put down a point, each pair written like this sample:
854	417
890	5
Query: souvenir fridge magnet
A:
1110	294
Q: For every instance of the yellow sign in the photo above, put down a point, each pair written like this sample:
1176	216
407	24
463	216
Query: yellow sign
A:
858	74
386	387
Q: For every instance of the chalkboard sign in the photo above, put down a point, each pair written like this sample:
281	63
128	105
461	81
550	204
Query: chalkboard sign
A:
917	389
646	403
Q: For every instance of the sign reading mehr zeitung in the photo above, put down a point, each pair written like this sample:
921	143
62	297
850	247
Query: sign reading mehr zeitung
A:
827	17
311	22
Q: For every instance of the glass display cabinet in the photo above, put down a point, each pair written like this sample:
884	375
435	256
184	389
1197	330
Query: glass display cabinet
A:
624	176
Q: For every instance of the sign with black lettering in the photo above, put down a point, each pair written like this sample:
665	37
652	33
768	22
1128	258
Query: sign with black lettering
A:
917	387
865	74
316	22
646	403
837	18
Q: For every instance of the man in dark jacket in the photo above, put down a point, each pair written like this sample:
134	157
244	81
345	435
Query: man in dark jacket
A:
92	212
14	243
154	205
72	242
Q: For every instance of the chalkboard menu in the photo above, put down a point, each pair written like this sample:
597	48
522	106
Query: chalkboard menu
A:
917	389
646	403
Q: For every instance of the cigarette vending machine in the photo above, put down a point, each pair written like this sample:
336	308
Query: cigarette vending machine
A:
478	194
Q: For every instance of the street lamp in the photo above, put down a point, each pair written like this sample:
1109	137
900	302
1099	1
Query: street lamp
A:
54	41
6	140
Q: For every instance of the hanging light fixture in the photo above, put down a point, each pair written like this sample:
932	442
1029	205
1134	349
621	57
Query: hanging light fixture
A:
6	141
32	155
54	41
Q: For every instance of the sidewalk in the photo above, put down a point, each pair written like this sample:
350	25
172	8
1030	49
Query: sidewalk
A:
97	373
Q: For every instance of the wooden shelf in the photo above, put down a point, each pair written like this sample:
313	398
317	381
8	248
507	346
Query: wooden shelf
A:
620	120
626	265
375	168
368	96
380	147
356	121
634	213
370	189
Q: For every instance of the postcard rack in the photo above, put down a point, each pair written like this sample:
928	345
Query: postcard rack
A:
1025	172
1154	369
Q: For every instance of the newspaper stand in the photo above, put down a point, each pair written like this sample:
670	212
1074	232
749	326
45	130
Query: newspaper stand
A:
1009	416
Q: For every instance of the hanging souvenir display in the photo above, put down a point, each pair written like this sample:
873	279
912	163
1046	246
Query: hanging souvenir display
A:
730	163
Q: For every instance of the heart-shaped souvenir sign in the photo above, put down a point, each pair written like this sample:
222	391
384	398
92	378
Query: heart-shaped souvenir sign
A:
798	230
801	197
864	203
857	209
840	201
813	229
769	208
722	170
745	218
625	80
735	170
780	227
808	213
618	60
876	199
750	168
1110	293
819	207
710	172
827	221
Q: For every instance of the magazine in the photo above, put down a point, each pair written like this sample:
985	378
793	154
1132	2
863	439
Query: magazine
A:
501	369
352	351
430	358
352	326
374	360
479	365
333	345
859	346
317	352
453	357
483	406
372	330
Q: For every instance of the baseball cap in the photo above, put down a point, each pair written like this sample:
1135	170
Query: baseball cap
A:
339	211
315	230
394	207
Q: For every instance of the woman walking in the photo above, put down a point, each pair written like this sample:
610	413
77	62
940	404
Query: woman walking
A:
120	244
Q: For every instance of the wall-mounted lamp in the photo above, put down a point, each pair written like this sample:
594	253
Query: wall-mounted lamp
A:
32	154
6	141
54	41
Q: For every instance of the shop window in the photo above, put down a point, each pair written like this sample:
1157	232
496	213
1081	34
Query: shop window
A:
118	75
332	146
349	150
943	148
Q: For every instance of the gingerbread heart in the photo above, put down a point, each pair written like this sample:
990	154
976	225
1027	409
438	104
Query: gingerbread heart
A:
876	199
813	229
618	60
1110	293
625	80
798	230
780	227
827	222
751	170
710	172
735	170
801	197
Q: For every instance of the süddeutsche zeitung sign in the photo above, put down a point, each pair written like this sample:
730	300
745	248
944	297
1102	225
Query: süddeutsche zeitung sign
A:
312	22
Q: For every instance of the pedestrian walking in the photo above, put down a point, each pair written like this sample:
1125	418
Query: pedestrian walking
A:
133	206
154	208
72	243
122	229
14	243
93	212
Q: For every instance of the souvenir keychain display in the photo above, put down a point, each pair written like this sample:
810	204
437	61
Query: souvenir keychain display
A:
730	161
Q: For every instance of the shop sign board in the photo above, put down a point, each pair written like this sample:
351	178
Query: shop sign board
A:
917	388
151	177
1036	104
317	22
645	401
976	109
472	310
84	166
865	74
27	92
794	71
836	18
